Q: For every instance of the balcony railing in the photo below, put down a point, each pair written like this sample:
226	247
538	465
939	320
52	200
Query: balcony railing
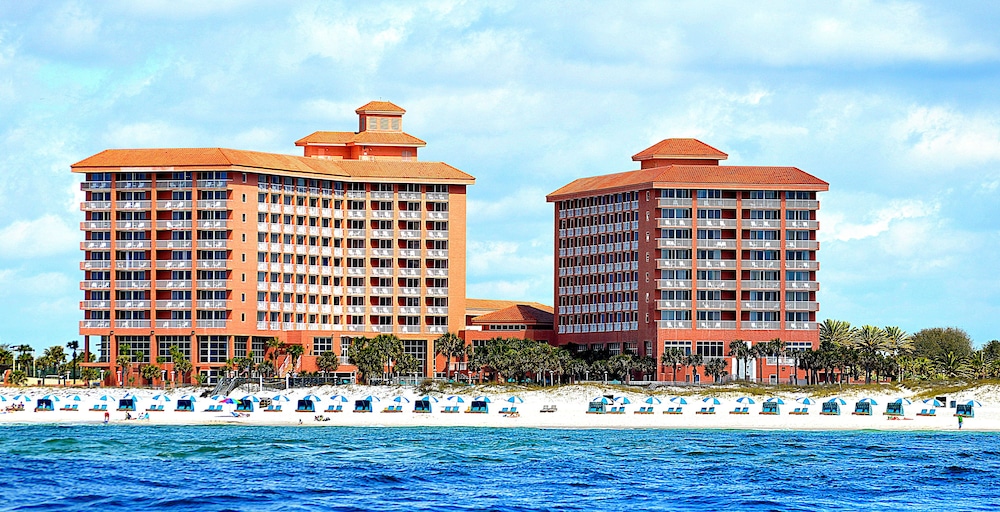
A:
132	205
673	284
765	204
760	285
802	244
802	285
132	324
727	264
760	325
717	304
761	244
762	305
670	243
134	244
716	244
173	324
802	326
711	284
173	244
667	202
173	304
718	203
802	265
95	324
716	324
672	324
802	306
717	223
673	223
762	264
662	304
132	285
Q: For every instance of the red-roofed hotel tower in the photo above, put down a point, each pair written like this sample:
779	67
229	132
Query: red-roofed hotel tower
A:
686	253
217	251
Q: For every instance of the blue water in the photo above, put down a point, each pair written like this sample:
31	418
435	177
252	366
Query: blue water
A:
286	468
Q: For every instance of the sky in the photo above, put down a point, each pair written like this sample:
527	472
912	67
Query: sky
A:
894	104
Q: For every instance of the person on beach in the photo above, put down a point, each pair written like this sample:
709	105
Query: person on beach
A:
107	417
960	422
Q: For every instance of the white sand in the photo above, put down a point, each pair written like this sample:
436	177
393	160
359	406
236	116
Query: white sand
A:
570	401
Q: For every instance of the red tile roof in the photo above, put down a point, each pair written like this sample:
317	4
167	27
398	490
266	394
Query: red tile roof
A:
694	176
372	138
516	314
498	304
680	149
232	159
380	106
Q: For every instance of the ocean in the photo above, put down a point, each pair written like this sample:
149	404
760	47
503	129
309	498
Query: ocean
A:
132	467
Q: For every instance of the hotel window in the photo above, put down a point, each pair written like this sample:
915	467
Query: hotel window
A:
676	213
798	214
764	275
711	348
322	344
797	235
763	316
764	255
213	349
709	194
799	195
765	214
764	194
709	234
675	314
797	316
709	275
709	214
797	276
764	235
710	315
165	343
138	347
683	345
797	296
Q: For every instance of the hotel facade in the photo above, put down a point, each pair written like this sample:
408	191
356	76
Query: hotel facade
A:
686	253
216	251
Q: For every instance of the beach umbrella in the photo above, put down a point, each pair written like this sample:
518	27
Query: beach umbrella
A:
193	399
601	399
868	401
482	399
371	398
22	398
937	403
805	400
161	398
624	400
281	398
775	400
227	400
74	398
252	398
678	400
314	398
653	400
217	397
400	399
515	400
428	398
902	401
3	398
106	398
711	400
974	403
745	400
456	398
54	398
837	400
338	398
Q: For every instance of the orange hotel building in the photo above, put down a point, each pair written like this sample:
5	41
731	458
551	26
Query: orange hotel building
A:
216	251
687	253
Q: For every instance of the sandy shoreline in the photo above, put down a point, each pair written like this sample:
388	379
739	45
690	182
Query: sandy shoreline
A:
570	404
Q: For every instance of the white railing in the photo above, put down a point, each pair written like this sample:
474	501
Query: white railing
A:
802	306
95	224
95	324
761	244
673	324
762	264
673	284
673	223
711	284
132	324
716	324
716	304
716	244
666	202
762	305
173	304
173	244
760	325
669	243
760	285
173	324
716	223
716	263
769	204
721	203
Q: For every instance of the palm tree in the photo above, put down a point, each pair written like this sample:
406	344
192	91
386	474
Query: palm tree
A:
274	348
124	361
672	357
449	345
870	342
328	362
899	343
6	359
758	352
740	351
694	361
951	365
296	352
979	365
776	348
716	368
181	364
24	357
73	345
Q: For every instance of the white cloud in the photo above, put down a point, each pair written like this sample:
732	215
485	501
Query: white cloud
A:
507	258
357	37
44	236
940	139
865	215
155	134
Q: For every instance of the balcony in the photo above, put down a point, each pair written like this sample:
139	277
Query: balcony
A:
437	272
173	184
132	324
384	329
173	224
661	304
95	304
95	285
717	304
409	310
802	306
718	203
213	284
409	329
355	214
133	264
173	285
672	264
761	305
173	304
673	223
410	292
95	224
382	214
356	252
382	310
802	285
212	224
437	234
671	243
212	184
760	285
382	271
132	304
382	291
802	265
710	284
382	233
212	204
437	292
762	204
95	185
133	185
132	285
437	329
801	326
213	244
409	196
409	215
95	264
437	310
95	324
134	244
91	245
173	244
436	253
716	244
673	324
437	196
173	324
760	325
717	324
761	224
211	304
212	264
668	202
437	215
761	244
761	264
673	284
173	264
799	204
381	194
811	245
89	206
382	253
723	264
717	223
210	324
132	205
409	234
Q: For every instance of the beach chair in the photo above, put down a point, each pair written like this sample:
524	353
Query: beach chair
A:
596	408
927	412
800	411
862	409
305	406
273	408
770	409
505	410
704	410
830	409
893	409
964	411
97	407
362	406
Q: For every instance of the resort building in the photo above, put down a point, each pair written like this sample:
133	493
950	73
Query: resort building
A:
686	253
218	251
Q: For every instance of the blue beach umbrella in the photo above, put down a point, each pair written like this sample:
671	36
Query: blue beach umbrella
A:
74	398
711	400
937	403
227	400
515	400
837	400
974	403
281	398
106	398
678	400
400	399
161	398
601	399
482	399
457	399
217	397
428	398
902	401
3	398
372	399
805	400
868	401
775	400
653	400
54	398
22	398
338	398
624	400
193	399
314	398
745	400
251	398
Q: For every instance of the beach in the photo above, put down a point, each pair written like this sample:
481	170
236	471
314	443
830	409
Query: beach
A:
564	407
